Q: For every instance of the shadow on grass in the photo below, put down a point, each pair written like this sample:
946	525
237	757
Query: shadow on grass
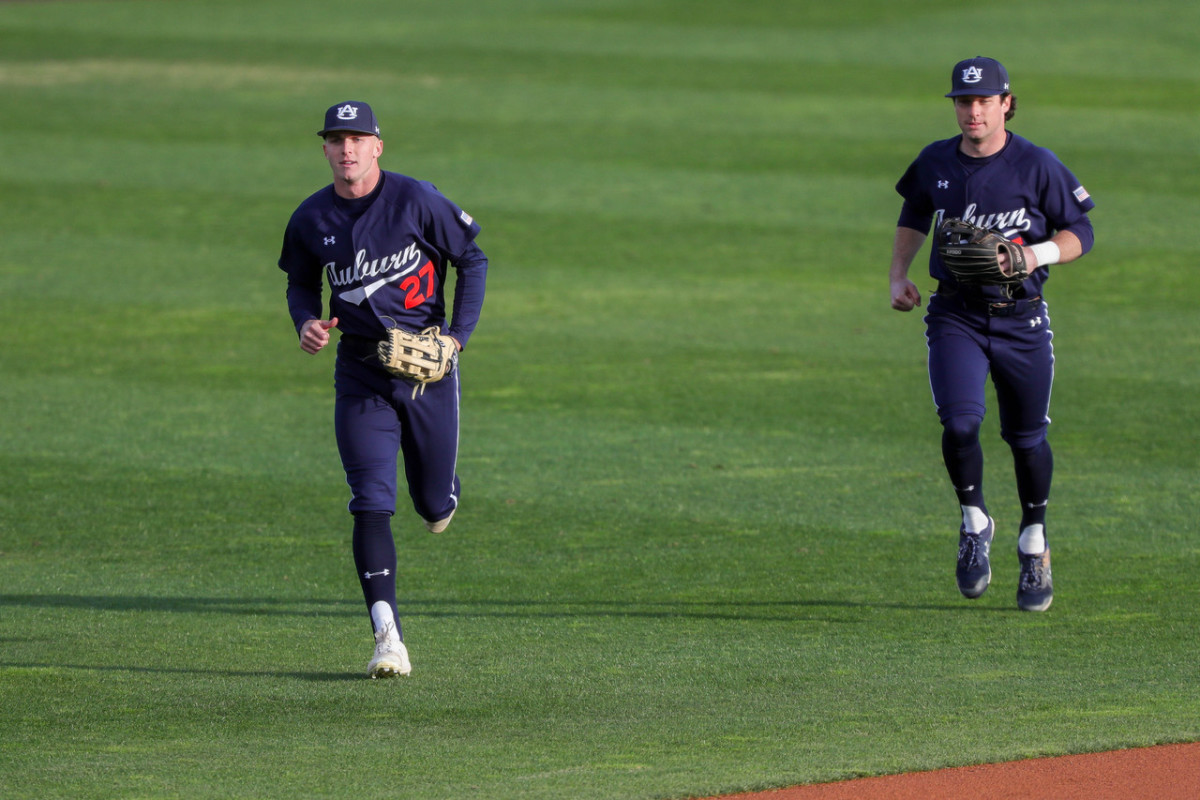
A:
837	611
315	677
731	610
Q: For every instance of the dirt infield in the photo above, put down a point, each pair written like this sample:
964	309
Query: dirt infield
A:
1169	772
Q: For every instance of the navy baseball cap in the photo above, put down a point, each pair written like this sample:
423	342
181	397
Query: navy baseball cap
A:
350	116
980	76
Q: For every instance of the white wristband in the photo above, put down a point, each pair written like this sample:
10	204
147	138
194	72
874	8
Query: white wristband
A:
1046	253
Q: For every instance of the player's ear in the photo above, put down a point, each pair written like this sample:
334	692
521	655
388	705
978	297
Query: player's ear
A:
378	147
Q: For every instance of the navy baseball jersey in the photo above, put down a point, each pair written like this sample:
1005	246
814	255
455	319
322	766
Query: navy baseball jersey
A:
384	257
1023	192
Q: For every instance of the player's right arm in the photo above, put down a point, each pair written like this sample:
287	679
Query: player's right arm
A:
905	294
304	286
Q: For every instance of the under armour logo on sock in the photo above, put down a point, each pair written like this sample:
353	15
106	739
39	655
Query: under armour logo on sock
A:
384	573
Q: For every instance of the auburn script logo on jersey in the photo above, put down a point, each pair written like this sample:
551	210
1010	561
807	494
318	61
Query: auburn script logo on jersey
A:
398	266
1008	223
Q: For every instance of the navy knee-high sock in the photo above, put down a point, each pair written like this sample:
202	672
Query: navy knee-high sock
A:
375	559
963	456
1034	467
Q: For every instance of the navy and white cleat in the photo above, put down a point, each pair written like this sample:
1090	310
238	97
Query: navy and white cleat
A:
1035	589
974	570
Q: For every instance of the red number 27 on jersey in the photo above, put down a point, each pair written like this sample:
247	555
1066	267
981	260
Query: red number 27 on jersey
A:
413	296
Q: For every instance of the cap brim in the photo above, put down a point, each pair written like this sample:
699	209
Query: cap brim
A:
346	130
976	92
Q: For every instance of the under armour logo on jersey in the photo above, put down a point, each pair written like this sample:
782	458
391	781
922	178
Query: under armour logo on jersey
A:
330	240
1033	323
943	184
384	573
347	112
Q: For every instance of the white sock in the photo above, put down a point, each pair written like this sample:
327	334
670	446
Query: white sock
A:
1032	540
974	520
381	616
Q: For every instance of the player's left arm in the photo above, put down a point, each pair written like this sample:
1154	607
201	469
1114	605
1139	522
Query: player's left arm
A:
1066	243
1063	247
452	231
471	267
1065	203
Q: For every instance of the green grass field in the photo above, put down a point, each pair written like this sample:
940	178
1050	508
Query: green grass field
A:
706	541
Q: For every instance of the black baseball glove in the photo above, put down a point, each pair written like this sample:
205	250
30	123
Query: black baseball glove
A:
972	254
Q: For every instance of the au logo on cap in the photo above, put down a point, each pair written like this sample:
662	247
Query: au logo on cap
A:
978	76
350	115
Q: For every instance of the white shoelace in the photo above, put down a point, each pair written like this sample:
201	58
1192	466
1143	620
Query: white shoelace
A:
386	639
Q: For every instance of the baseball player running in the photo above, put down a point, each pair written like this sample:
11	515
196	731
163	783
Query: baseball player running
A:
383	243
1001	182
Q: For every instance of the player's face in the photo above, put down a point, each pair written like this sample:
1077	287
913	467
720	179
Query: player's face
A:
981	119
353	157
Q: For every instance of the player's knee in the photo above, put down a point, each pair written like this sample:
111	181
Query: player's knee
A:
961	430
1025	441
434	505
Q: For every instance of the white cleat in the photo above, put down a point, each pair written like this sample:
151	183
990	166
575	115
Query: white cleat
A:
442	524
391	656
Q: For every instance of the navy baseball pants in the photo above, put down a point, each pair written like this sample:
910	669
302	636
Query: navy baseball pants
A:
377	420
965	346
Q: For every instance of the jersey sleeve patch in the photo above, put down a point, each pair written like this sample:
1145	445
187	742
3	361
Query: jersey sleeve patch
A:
1080	193
467	220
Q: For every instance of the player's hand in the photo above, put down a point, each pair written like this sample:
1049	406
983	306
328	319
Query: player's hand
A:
905	295
1031	260
1005	264
314	334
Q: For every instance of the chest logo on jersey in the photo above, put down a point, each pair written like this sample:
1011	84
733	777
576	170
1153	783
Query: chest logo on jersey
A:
371	275
1009	223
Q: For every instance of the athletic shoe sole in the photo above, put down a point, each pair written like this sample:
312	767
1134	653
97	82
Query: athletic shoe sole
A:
392	664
